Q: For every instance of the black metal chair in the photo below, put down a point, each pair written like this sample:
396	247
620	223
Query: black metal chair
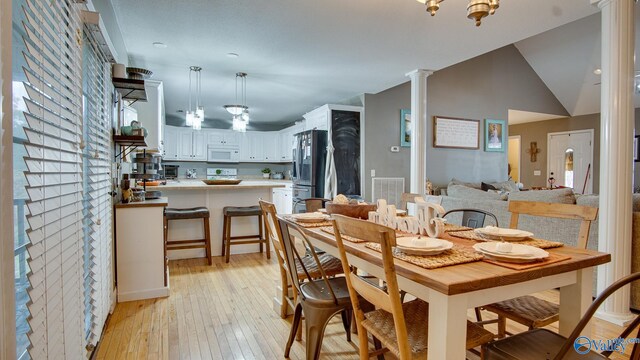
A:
320	299
473	218
545	344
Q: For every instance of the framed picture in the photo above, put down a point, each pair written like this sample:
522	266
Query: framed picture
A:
495	135
405	128
456	133
636	149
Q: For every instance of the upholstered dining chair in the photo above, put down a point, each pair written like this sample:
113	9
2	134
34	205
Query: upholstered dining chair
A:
408	198
529	310
330	264
310	204
318	298
544	344
400	327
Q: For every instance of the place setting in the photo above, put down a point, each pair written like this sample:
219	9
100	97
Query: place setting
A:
310	220
494	233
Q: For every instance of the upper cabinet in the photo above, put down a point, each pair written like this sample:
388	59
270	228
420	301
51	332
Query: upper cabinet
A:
150	114
222	138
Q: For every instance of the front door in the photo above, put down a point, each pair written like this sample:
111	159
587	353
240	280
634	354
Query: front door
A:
571	160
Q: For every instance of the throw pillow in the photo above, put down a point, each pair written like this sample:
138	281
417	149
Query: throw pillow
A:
487	187
455	181
562	196
509	186
465	192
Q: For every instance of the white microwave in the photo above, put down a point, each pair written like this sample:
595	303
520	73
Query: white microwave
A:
223	155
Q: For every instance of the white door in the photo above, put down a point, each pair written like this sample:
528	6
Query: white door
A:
571	160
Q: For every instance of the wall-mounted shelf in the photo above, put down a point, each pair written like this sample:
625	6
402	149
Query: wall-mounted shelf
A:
130	89
128	144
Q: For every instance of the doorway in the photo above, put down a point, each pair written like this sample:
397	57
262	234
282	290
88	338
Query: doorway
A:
570	159
513	156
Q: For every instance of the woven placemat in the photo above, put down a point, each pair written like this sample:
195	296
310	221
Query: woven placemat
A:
539	243
453	227
329	230
552	259
454	256
309	224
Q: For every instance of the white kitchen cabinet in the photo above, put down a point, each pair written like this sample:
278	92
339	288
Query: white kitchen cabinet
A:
185	144
199	146
287	142
252	147
151	114
191	144
170	150
271	146
223	138
282	199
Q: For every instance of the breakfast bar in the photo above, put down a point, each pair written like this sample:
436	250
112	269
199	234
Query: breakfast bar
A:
195	193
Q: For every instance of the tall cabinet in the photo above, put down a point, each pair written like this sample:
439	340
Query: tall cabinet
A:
151	115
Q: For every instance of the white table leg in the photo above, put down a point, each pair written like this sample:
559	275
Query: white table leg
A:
447	326
574	301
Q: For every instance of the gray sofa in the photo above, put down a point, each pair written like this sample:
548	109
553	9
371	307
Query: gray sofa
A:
561	230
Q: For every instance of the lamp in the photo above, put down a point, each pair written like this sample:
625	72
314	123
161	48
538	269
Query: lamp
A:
195	117
240	110
476	9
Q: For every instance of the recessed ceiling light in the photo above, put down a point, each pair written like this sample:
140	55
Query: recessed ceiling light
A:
597	71
160	45
233	55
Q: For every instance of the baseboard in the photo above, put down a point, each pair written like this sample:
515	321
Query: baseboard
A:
141	295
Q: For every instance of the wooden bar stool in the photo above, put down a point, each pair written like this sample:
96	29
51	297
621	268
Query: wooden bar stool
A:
227	240
185	214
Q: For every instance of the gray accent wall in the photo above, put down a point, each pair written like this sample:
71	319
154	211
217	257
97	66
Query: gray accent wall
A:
484	87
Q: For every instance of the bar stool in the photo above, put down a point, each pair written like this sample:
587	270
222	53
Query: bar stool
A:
185	214
238	211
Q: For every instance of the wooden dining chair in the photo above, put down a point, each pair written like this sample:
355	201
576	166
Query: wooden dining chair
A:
330	264
408	198
529	310
544	344
400	327
320	298
310	204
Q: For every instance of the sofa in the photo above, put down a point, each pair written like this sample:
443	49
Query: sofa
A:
466	196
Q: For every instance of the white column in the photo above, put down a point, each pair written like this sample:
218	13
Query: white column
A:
616	148
418	130
7	294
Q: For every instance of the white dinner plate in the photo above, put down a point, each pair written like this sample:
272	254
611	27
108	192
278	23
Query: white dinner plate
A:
433	246
519	253
496	233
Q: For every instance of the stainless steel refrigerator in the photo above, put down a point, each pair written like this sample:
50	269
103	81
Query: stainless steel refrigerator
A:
309	159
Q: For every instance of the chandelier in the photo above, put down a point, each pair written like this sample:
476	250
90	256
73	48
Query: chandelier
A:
195	116
476	9
240	110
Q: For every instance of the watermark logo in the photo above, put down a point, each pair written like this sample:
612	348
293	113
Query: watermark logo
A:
584	344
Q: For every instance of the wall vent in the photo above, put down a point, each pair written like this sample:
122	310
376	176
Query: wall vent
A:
390	189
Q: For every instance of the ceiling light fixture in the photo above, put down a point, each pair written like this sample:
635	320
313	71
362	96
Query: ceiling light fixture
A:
476	9
240	110
194	117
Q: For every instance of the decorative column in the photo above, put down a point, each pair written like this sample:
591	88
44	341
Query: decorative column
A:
418	130
616	148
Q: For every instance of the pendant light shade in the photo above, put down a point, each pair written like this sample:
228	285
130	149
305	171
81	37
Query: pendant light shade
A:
195	116
240	110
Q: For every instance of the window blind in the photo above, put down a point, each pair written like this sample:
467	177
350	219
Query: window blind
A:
54	178
97	154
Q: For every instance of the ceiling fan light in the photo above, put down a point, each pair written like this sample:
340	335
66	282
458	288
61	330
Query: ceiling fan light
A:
493	6
433	6
478	9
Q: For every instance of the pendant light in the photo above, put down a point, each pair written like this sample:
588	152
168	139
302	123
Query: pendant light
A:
240	110
195	116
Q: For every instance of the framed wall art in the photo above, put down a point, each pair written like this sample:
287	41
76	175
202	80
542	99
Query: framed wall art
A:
495	135
405	128
456	133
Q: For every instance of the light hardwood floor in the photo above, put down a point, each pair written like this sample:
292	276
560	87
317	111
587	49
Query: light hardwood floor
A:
225	311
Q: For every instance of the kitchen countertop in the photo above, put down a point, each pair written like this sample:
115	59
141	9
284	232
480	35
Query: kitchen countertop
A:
162	201
199	185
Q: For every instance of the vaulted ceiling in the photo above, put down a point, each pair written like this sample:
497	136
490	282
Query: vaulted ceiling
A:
302	54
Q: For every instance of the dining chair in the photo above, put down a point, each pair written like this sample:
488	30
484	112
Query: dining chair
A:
319	298
529	310
408	198
310	204
330	264
400	327
545	344
473	218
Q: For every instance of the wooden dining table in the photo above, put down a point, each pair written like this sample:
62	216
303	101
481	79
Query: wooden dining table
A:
451	290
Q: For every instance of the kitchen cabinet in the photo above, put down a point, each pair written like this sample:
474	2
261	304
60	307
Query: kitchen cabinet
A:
287	142
151	115
252	147
141	265
170	150
191	145
199	146
223	138
271	146
283	200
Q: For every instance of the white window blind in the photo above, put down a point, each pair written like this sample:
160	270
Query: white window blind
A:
97	154
54	178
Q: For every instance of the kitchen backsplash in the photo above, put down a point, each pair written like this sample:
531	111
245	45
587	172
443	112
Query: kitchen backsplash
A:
245	170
